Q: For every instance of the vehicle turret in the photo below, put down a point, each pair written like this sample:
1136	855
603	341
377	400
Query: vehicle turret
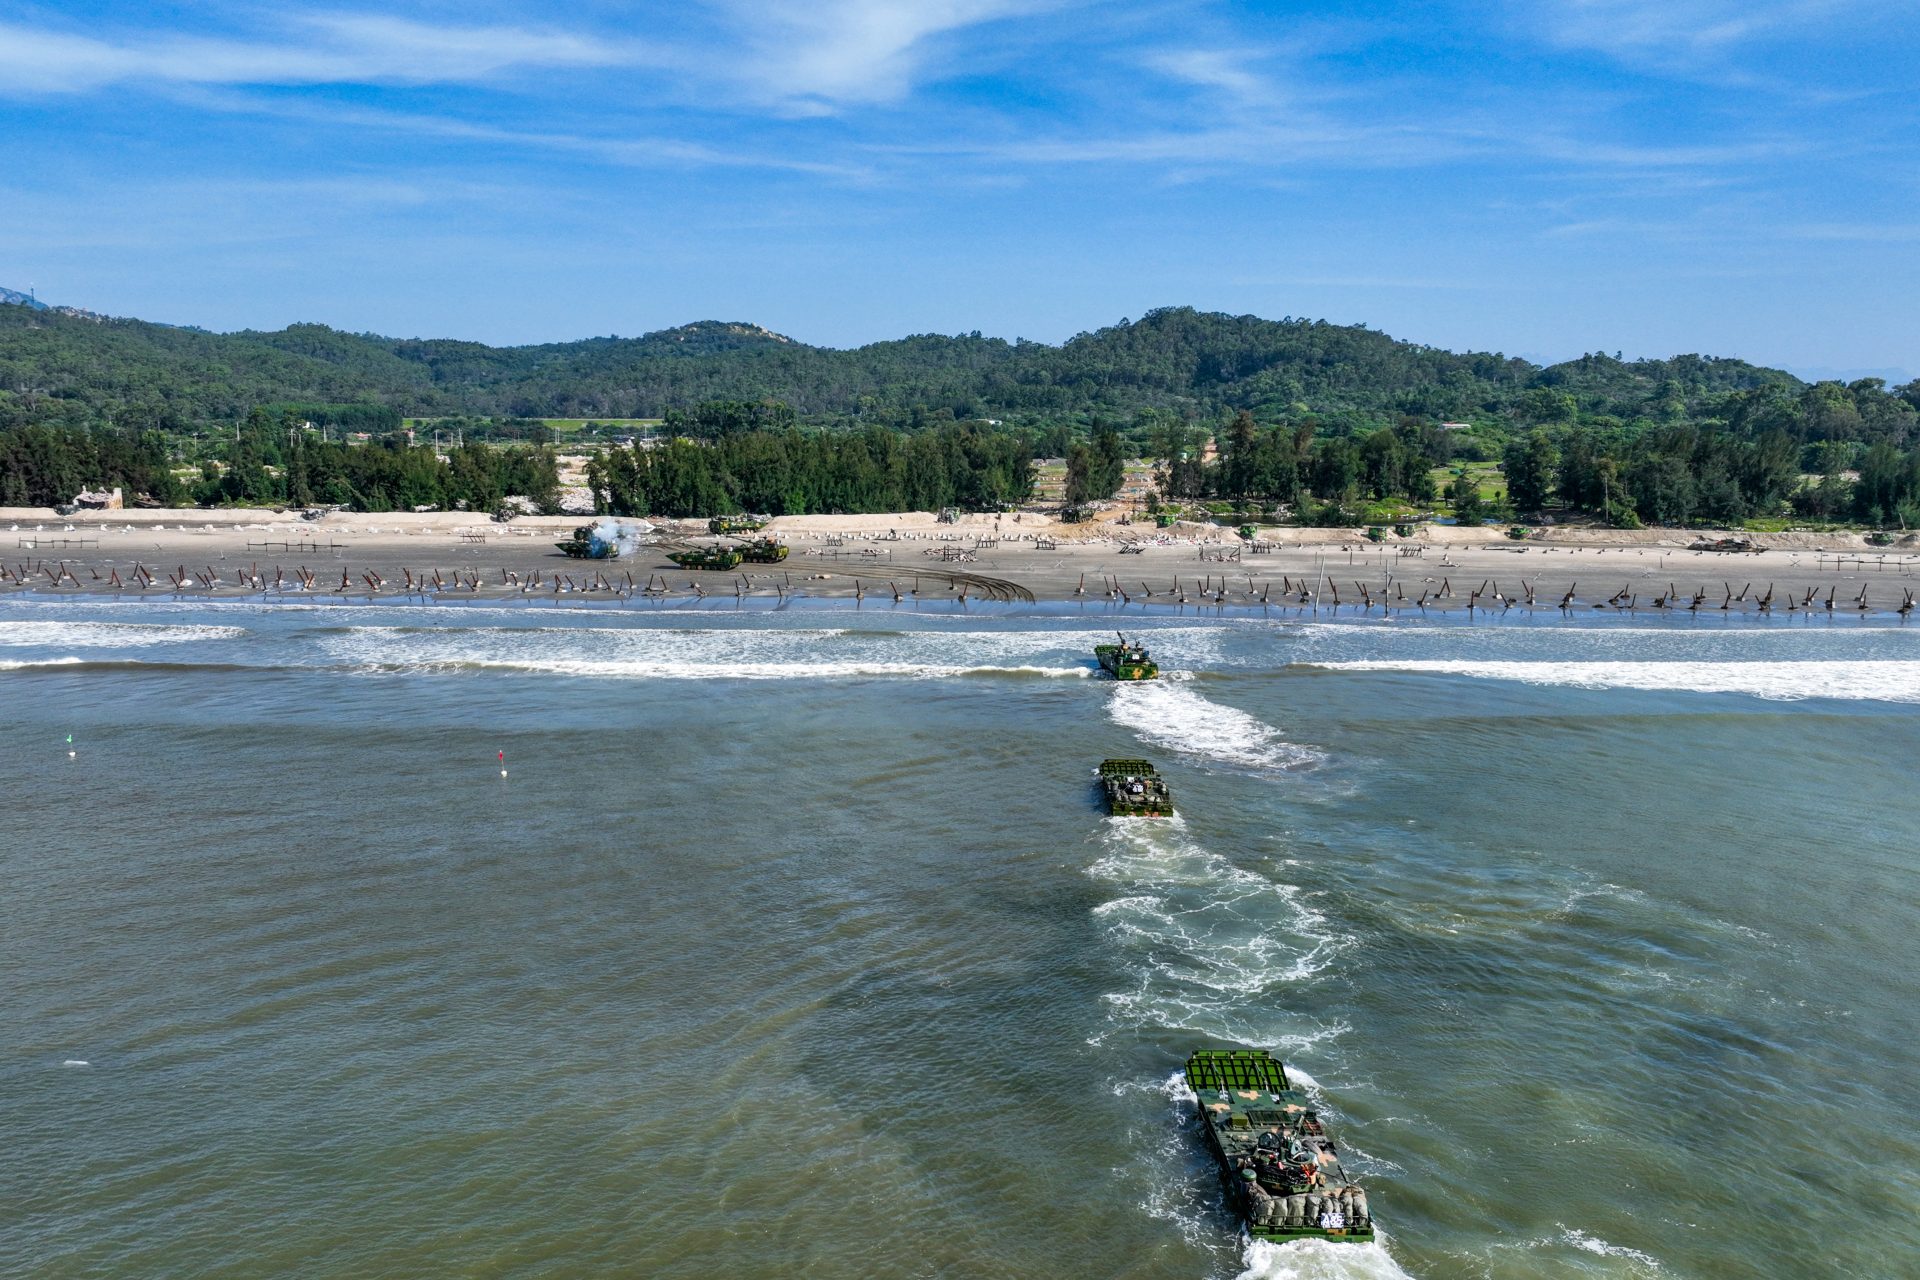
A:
706	558
589	543
767	550
1126	660
736	524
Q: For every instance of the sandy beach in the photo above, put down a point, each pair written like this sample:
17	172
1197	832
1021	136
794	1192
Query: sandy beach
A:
1015	557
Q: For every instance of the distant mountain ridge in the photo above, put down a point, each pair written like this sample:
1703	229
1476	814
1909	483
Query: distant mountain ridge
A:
1177	359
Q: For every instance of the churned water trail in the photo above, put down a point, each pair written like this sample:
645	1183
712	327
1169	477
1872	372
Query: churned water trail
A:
1170	713
1207	946
1318	1260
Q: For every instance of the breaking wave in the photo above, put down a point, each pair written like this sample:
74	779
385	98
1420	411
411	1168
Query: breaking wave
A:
642	670
1170	714
1863	681
703	654
108	635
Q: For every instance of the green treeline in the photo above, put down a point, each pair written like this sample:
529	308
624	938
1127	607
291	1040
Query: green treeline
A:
43	466
1829	453
791	472
272	459
275	458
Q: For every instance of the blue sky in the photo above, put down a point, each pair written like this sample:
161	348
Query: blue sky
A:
1540	177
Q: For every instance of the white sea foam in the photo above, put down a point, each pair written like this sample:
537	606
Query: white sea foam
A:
642	670
1594	1244
1170	714
44	662
708	654
1874	681
1318	1260
107	635
1206	942
76	1062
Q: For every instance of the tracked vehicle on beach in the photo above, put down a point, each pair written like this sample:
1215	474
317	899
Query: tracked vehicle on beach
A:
586	544
707	558
1731	546
763	551
736	524
1134	789
1126	661
1281	1171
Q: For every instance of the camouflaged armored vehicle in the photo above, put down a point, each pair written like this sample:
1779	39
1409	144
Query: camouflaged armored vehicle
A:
1281	1171
1732	546
1126	661
1134	789
763	551
587	544
736	524
706	558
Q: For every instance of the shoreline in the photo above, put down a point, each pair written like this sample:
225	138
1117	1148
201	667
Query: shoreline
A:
1114	613
1020	559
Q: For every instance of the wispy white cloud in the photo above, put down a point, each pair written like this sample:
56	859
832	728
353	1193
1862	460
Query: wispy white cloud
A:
817	56
1226	73
323	49
629	149
1674	33
1858	232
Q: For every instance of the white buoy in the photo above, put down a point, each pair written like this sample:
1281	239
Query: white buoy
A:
503	773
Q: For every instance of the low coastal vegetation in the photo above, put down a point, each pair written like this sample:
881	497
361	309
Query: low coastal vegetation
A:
1289	419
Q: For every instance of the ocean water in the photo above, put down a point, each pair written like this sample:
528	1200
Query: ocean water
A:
795	942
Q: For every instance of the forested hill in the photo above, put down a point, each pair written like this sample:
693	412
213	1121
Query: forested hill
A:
76	369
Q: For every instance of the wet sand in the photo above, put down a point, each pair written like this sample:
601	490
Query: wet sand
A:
240	554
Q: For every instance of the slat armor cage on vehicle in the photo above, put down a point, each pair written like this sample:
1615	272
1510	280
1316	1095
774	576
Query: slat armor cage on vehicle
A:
1281	1172
1135	789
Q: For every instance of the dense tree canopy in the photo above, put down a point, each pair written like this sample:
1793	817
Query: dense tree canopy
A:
790	472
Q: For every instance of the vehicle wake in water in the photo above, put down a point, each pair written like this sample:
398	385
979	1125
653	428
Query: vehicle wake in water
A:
1169	713
1216	952
1209	947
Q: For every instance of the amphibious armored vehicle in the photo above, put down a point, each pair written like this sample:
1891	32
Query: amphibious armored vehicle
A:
1126	661
1734	546
1281	1171
763	551
1134	789
706	558
587	544
736	524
